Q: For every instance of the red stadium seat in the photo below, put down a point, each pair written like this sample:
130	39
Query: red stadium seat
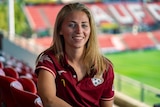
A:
2	73
38	102
9	71
1	65
30	75
23	98
28	84
5	93
34	77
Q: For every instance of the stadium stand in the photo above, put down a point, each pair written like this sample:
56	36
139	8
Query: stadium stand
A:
156	35
111	43
106	44
38	22
11	70
44	41
50	17
116	43
105	41
138	41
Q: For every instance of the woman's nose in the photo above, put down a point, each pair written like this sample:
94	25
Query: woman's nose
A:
78	29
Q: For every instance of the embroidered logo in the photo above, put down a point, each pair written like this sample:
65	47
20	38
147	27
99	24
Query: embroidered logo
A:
97	81
45	57
60	72
63	82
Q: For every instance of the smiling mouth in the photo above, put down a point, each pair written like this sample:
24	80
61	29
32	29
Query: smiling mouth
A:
77	37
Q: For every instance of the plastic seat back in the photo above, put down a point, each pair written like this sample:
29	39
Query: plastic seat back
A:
5	93
9	71
2	73
38	102
23	98
28	84
1	65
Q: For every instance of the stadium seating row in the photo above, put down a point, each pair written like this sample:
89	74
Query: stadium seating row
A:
113	43
139	41
17	89
40	18
43	16
156	34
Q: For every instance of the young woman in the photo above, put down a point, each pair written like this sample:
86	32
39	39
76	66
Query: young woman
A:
73	72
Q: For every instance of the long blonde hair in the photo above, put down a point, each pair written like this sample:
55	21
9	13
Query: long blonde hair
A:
92	58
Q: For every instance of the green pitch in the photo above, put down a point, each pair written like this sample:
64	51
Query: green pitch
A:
143	65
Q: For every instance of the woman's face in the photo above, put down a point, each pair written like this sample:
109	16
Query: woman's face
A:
76	30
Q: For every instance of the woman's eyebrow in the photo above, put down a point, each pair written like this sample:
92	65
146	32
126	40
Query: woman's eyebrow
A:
76	22
85	22
72	21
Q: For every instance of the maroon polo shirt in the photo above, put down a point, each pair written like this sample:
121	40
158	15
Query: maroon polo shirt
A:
85	93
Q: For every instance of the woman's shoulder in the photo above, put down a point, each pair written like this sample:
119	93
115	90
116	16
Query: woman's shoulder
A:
109	64
47	54
108	61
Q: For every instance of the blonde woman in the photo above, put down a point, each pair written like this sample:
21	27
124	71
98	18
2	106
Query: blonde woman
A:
73	72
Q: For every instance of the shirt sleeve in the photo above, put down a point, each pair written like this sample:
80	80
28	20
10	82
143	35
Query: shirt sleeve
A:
45	62
108	92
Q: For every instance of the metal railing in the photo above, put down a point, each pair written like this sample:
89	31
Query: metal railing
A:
137	90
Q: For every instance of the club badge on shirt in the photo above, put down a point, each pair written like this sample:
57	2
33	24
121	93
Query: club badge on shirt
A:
97	81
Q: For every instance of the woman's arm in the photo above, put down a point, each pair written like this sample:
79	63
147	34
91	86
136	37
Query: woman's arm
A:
47	90
105	103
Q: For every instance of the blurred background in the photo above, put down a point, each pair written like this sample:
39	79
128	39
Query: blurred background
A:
128	33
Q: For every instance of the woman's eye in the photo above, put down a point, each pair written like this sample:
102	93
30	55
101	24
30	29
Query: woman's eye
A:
84	26
72	25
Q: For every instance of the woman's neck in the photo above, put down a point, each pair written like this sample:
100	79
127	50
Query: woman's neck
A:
74	55
75	60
